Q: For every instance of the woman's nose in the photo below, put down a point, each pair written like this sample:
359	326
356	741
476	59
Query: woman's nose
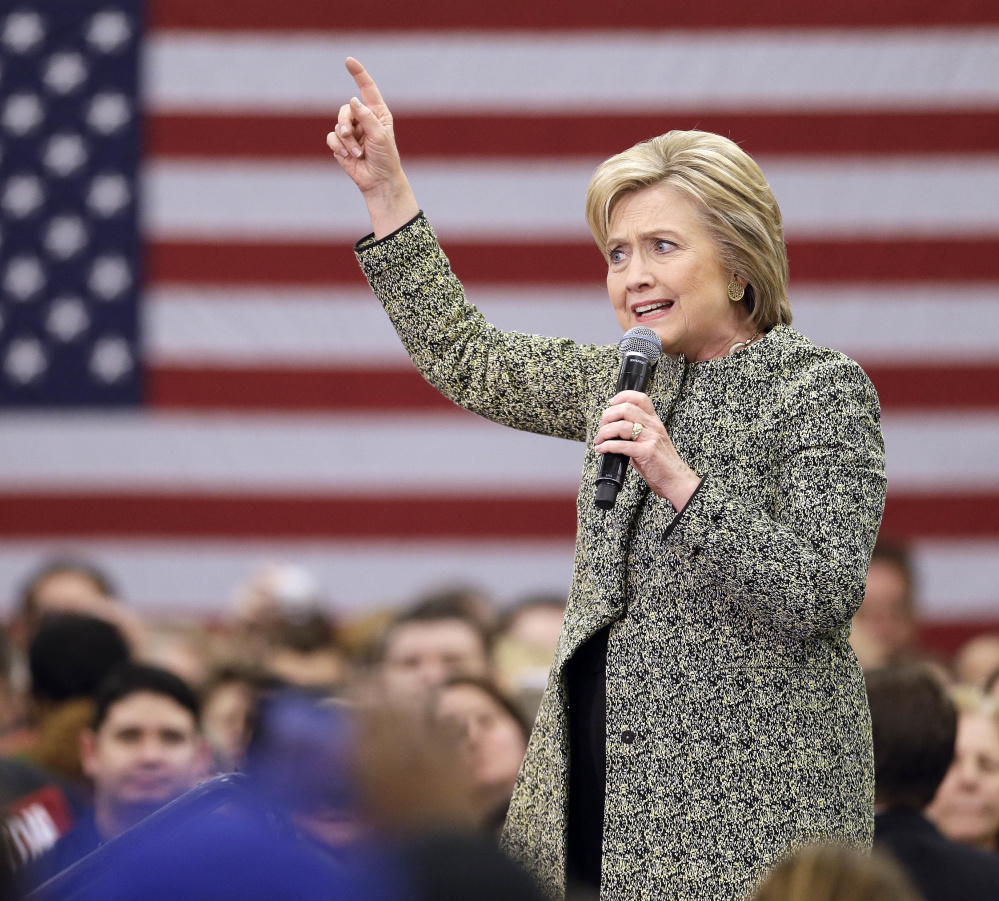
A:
639	273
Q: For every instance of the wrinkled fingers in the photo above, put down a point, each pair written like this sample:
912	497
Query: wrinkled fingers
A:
620	430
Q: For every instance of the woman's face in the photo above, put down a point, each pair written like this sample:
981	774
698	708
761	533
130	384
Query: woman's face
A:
493	740
664	273
966	806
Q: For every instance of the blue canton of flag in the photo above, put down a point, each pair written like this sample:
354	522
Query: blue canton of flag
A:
69	237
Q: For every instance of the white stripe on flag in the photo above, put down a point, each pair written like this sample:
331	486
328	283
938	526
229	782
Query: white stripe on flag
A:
624	71
939	196
347	327
261	454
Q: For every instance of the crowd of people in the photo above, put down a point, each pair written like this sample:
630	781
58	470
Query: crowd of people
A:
387	746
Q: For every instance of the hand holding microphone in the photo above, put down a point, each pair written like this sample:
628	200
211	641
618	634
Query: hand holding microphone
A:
631	430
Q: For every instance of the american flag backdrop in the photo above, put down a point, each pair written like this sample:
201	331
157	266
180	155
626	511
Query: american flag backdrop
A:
196	378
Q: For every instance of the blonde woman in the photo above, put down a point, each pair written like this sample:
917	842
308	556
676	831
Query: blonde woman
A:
704	713
966	806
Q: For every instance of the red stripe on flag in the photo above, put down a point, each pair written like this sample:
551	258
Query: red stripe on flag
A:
364	517
548	134
868	260
936	386
398	15
299	389
240	516
331	389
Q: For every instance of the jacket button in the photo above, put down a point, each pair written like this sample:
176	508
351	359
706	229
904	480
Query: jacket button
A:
695	550
716	517
627	736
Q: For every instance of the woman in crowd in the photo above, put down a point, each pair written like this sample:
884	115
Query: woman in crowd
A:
836	873
704	714
494	737
966	806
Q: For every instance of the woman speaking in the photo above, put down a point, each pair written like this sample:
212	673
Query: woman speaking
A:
705	714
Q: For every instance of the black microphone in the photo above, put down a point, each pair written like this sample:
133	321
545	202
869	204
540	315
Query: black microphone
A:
640	351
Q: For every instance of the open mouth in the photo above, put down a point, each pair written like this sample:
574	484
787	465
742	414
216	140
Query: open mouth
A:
648	310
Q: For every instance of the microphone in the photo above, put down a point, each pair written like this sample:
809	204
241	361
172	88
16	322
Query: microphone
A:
640	351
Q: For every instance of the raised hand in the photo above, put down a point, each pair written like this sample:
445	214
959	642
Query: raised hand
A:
363	142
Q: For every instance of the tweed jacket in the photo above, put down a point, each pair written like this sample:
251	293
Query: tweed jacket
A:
737	722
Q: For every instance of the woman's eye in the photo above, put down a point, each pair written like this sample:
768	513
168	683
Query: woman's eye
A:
663	246
615	256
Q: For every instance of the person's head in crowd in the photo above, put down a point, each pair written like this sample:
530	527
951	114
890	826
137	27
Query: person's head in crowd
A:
273	595
182	648
144	747
493	736
430	643
68	659
914	723
304	652
836	873
301	757
536	622
966	807
11	695
229	700
525	649
977	660
884	628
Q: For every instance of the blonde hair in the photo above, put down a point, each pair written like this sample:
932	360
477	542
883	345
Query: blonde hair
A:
836	873
971	699
733	197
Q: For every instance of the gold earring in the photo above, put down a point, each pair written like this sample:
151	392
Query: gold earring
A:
736	290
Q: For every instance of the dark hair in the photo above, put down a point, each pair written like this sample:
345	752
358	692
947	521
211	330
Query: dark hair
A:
72	654
438	608
898	556
915	727
62	566
313	632
487	687
134	678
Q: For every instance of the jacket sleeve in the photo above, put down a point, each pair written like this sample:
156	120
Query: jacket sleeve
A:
529	382
803	566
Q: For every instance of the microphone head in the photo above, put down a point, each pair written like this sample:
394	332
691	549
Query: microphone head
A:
643	341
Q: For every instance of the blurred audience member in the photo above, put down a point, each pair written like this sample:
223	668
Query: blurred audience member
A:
526	647
465	601
12	699
493	737
835	873
143	750
69	657
273	595
303	652
301	759
72	586
915	724
229	700
180	648
430	643
966	807
977	660
884	628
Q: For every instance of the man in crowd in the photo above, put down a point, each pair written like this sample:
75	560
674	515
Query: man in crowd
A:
144	749
884	628
431	643
915	727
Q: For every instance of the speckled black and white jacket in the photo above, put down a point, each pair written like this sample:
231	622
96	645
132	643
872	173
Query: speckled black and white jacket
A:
727	656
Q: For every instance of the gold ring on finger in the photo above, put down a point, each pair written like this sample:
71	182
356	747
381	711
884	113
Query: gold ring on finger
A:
636	430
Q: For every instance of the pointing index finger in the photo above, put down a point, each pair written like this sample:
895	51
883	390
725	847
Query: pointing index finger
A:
370	94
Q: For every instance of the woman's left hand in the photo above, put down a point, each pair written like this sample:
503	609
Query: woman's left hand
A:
652	452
